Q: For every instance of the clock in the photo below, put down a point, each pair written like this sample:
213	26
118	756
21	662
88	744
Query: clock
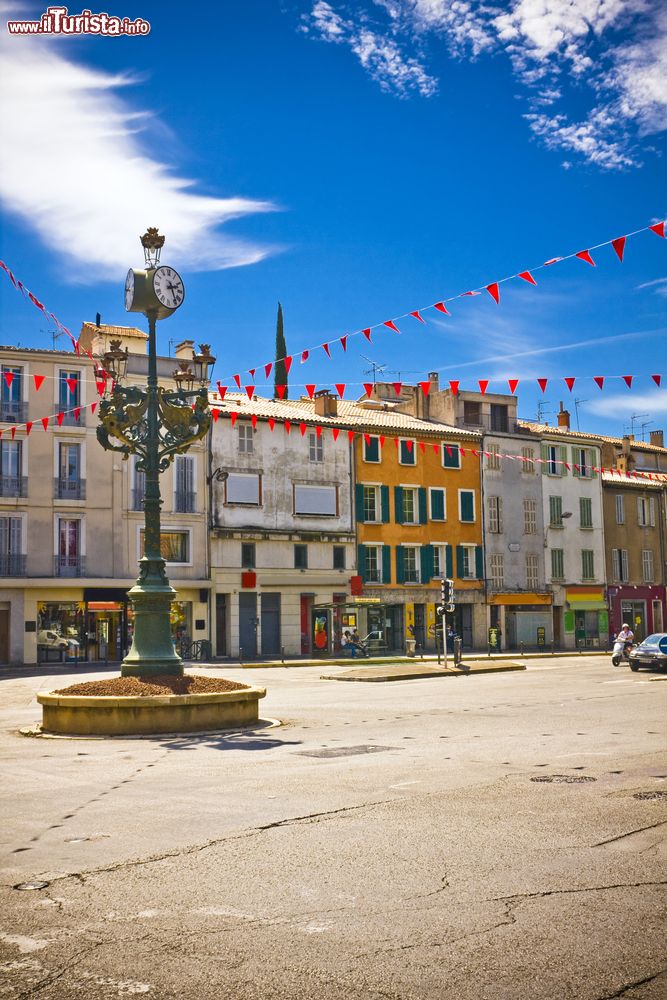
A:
168	287
129	290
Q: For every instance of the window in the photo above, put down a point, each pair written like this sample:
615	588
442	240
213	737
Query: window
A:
528	464
529	516
243	488
493	460
69	395
495	511
139	488
316	500
472	413
410	505
12	407
185	501
12	482
300	557
532	571
12	560
647	565
410	563
620	508
646	512
466	506
497	570
583	460
68	557
451	456
468	562
373	571
372	504
339	557
174	546
315	448
555	512
585	512
587	564
69	485
246	439
439	560
557	565
619	565
499	420
554	457
371	449
248	555
406	452
438	504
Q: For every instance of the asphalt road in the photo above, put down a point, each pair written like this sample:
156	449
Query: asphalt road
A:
458	838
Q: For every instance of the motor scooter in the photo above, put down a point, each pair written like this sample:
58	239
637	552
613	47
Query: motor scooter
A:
621	651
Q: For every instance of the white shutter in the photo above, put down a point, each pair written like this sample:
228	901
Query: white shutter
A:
624	565
651	519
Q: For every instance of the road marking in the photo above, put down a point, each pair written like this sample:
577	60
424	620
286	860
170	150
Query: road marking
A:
402	784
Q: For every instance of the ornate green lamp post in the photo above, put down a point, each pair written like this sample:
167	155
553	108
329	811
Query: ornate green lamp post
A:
154	424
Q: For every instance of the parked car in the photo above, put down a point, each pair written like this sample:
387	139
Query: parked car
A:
651	652
47	637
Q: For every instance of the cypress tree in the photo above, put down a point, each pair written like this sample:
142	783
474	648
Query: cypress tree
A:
280	374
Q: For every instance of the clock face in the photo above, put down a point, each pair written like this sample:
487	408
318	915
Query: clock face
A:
168	287
129	289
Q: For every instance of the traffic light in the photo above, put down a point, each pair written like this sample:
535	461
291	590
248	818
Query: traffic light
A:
447	596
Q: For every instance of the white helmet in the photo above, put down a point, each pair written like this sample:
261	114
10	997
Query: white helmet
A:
625	625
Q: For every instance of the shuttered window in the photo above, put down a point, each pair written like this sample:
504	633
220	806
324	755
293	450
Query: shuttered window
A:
585	512
438	500
529	516
497	570
532	571
587	564
620	508
495	514
647	565
555	512
466	506
557	565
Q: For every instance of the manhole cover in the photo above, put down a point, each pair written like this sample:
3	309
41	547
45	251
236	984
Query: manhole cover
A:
344	751
563	779
24	886
650	795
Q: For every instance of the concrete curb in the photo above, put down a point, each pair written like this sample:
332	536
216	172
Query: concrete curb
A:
379	674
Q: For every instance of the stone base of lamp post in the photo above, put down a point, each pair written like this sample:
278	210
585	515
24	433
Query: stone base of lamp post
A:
152	649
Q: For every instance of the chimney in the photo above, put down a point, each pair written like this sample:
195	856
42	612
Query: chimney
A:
326	405
434	379
185	350
563	418
657	439
98	320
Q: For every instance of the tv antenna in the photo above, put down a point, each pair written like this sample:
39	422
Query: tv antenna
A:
633	418
644	424
54	334
577	404
375	368
542	409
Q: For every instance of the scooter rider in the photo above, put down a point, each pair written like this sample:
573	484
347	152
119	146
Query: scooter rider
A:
622	644
626	635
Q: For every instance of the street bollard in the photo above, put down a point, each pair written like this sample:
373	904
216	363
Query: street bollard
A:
282	654
552	647
240	654
522	649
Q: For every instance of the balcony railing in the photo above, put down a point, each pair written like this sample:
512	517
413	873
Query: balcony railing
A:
484	422
69	489
69	566
185	503
13	411
13	486
11	564
70	420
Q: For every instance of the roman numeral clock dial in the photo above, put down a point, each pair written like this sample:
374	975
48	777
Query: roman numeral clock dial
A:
168	287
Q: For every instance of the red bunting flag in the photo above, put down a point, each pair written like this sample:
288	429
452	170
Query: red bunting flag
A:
28	428
658	228
45	423
318	431
350	436
13	432
398	386
253	420
215	414
569	382
483	384
287	361
599	380
494	291
367	439
335	431
657	379
464	294
512	383
9	378
441	307
382	440
222	389
250	390
368	386
325	348
304	356
101	386
628	380
454	386
409	444
251	372
267	369
272	423
60	417
38	382
237	379
302	428
586	256
233	417
343	342
288	426
417	315
436	447
77	413
425	387
552	260
527	276
281	390
340	389
619	246
422	446
392	326
93	407
310	389
367	335
542	382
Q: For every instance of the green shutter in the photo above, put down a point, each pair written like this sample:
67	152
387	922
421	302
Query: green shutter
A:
359	491
452	461
592	459
361	561
398	504
545	458
437	505
400	567
479	562
575	461
384	498
386	563
459	562
467	505
423	513
449	569
372	450
562	450
426	555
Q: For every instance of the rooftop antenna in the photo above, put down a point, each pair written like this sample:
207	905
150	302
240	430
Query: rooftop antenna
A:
636	416
375	368
644	424
54	334
577	404
542	409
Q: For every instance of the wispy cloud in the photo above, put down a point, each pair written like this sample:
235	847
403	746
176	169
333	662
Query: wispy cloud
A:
654	403
57	113
610	54
658	284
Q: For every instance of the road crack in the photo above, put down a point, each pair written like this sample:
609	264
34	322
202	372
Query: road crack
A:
520	897
632	986
631	833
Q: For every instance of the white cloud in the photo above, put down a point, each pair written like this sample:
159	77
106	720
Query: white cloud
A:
654	403
74	167
659	285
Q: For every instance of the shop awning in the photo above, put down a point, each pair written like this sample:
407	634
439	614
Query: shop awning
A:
586	598
522	598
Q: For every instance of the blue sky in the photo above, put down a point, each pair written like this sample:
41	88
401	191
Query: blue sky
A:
355	162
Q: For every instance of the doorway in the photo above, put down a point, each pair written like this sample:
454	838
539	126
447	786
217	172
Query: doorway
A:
270	611
221	624
4	636
634	613
248	623
420	626
463	624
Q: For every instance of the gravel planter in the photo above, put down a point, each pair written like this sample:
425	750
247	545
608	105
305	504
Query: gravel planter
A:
143	687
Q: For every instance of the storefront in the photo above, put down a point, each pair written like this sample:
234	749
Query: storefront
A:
643	608
376	623
585	618
521	619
